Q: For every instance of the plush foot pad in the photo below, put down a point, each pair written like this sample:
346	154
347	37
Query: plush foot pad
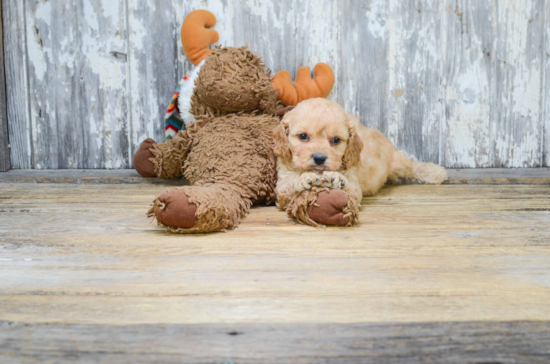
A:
174	209
142	164
328	210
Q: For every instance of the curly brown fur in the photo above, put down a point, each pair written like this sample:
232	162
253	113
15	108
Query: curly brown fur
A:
299	204
233	80
351	211
231	165
219	207
234	149
169	157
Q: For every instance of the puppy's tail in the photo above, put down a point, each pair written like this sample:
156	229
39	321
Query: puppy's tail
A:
411	170
428	172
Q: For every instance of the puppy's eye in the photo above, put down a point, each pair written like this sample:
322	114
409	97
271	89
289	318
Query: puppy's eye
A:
303	136
335	140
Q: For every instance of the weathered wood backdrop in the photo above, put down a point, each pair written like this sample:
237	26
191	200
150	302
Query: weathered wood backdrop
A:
4	142
465	83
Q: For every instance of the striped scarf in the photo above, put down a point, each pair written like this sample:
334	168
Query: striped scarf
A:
173	121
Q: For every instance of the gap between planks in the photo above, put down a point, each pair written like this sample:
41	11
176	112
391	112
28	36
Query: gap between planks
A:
529	176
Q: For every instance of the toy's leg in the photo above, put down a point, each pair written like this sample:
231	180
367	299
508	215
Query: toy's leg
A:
199	209
173	209
333	207
162	160
324	207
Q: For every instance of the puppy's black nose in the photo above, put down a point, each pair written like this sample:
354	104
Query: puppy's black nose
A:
319	158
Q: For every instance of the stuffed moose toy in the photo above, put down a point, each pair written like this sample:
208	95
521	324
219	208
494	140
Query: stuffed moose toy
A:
227	110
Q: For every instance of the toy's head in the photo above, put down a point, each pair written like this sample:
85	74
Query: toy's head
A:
233	80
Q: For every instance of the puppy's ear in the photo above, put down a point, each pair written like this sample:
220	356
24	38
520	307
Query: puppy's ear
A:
352	155
280	136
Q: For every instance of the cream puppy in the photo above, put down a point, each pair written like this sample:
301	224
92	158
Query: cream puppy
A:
319	145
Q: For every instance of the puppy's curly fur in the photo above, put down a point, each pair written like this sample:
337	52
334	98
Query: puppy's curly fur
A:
318	145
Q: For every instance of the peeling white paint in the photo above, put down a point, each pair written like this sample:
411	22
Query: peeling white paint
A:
38	54
451	81
111	9
137	33
91	17
376	15
519	131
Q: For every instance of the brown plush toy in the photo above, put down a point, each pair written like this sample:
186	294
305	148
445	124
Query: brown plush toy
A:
230	107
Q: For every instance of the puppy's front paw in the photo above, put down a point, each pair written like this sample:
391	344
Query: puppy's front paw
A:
307	181
333	179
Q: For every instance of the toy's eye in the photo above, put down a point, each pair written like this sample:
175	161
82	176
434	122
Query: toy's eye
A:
336	140
303	136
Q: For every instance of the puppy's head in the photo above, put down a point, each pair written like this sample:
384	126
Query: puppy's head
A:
318	136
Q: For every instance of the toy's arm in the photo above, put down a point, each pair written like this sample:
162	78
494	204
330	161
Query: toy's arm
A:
195	35
163	160
169	157
304	86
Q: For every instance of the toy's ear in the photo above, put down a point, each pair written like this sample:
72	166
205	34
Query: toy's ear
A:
352	155
280	137
195	35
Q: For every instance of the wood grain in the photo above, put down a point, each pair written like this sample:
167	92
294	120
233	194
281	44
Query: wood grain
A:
4	141
462	83
456	273
16	68
415	100
88	176
546	88
457	342
363	50
518	71
77	83
153	54
468	136
422	253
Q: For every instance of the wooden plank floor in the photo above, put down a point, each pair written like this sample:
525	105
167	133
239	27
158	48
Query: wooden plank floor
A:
452	273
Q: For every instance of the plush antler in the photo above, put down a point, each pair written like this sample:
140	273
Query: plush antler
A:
304	86
195	35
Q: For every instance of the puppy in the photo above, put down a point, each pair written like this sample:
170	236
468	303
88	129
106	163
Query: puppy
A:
319	145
